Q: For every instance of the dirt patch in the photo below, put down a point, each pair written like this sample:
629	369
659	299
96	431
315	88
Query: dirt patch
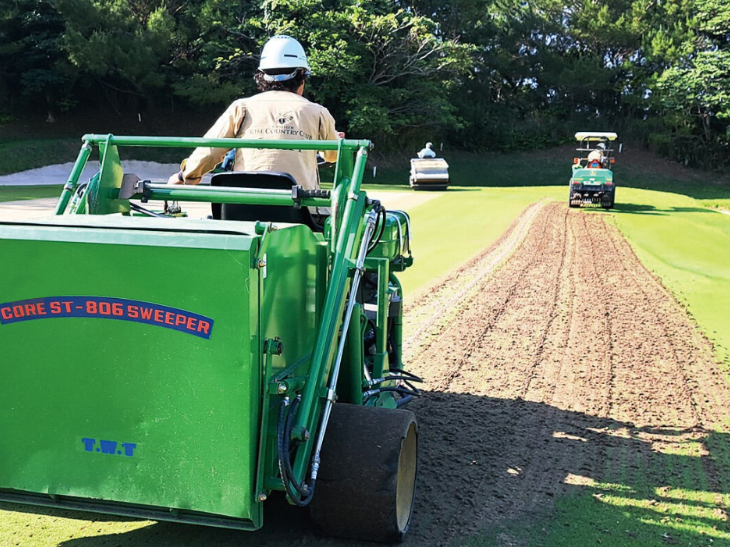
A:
544	368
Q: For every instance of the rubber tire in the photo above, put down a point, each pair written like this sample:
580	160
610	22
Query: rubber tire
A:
367	480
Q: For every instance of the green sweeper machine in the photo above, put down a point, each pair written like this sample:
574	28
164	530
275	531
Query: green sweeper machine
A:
185	369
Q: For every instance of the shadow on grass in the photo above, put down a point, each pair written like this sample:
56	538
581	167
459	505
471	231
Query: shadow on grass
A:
637	208
43	511
691	210
643	209
504	471
453	189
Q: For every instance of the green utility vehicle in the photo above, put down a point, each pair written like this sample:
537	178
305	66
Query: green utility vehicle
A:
165	367
592	180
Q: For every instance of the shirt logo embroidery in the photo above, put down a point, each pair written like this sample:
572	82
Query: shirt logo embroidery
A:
284	117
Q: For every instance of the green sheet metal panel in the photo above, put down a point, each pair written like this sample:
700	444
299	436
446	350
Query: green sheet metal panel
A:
394	238
101	405
103	199
593	176
292	297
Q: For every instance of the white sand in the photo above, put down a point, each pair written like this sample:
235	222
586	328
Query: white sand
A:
146	170
58	174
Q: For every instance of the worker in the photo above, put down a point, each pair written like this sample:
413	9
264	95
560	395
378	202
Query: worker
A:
278	111
427	152
595	158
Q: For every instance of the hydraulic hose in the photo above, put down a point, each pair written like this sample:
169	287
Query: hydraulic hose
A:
334	375
142	210
382	219
287	419
406	373
401	390
405	378
301	495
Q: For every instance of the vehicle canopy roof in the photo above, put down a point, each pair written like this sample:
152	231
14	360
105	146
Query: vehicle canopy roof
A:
595	136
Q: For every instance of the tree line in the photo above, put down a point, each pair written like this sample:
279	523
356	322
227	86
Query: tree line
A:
479	74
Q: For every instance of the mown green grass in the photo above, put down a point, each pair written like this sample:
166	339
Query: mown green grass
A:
20	155
552	168
688	247
672	498
18	193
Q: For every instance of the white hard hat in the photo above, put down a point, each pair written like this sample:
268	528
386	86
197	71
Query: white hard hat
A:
282	52
429	145
601	146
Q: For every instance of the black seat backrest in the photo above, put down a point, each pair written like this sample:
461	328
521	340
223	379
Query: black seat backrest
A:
267	213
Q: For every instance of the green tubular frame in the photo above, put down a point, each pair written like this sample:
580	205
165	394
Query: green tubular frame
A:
108	143
350	207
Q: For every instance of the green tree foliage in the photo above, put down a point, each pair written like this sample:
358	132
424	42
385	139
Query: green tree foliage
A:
217	52
382	70
33	66
481	74
693	96
123	45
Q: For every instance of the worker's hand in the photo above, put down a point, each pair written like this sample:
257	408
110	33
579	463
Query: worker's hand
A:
341	134
176	178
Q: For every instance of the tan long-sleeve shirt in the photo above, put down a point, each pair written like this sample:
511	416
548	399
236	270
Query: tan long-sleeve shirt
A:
269	115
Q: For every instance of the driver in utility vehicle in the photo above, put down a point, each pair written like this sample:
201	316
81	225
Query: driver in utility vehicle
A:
596	157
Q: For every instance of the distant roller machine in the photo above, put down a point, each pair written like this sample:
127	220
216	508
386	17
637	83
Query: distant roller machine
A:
592	179
429	174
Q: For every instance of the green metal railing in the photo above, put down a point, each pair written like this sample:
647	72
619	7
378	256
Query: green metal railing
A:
107	144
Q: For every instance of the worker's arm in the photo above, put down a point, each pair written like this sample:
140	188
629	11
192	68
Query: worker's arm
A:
329	133
203	160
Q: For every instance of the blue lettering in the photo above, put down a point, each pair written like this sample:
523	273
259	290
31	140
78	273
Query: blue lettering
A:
108	447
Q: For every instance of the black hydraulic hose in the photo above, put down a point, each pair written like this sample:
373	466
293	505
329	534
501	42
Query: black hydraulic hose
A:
382	218
401	390
285	470
405	381
406	377
280	451
288	426
141	209
384	221
411	387
283	434
395	377
406	373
